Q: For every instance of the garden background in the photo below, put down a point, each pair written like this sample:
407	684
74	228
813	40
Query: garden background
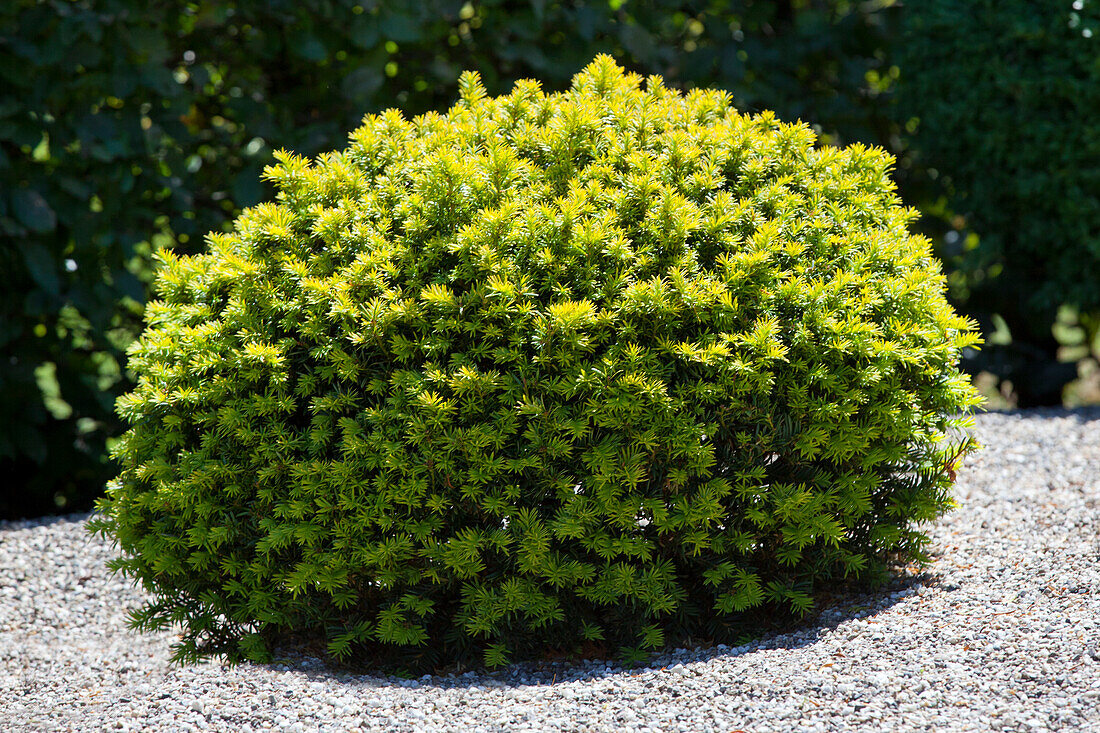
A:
127	127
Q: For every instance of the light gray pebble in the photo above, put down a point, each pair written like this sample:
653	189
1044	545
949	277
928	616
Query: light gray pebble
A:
1001	632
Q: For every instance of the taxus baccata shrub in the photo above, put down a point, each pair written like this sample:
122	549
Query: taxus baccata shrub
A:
615	365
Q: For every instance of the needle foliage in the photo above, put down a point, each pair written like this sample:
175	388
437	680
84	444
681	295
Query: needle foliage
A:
617	365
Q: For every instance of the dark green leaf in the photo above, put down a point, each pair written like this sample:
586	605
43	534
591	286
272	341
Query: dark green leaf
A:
308	46
361	84
400	28
364	31
42	267
31	209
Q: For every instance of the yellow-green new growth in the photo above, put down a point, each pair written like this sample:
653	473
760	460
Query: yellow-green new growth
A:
614	365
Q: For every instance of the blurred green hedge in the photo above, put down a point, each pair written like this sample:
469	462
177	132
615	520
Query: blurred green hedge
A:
125	127
1004	99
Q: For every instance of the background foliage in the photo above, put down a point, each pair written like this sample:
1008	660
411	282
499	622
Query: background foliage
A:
1004	96
126	127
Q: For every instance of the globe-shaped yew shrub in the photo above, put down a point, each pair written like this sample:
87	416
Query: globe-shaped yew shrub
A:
617	364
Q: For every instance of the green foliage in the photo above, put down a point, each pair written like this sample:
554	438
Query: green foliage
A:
613	364
128	127
1006	94
65	141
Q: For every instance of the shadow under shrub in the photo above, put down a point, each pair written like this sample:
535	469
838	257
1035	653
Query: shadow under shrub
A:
615	365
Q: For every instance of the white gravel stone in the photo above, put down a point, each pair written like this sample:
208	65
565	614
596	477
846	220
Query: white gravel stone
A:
1000	633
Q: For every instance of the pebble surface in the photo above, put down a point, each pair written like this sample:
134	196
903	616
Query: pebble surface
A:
1000	633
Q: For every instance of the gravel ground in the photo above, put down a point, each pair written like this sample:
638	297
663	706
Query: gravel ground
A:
1001	632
